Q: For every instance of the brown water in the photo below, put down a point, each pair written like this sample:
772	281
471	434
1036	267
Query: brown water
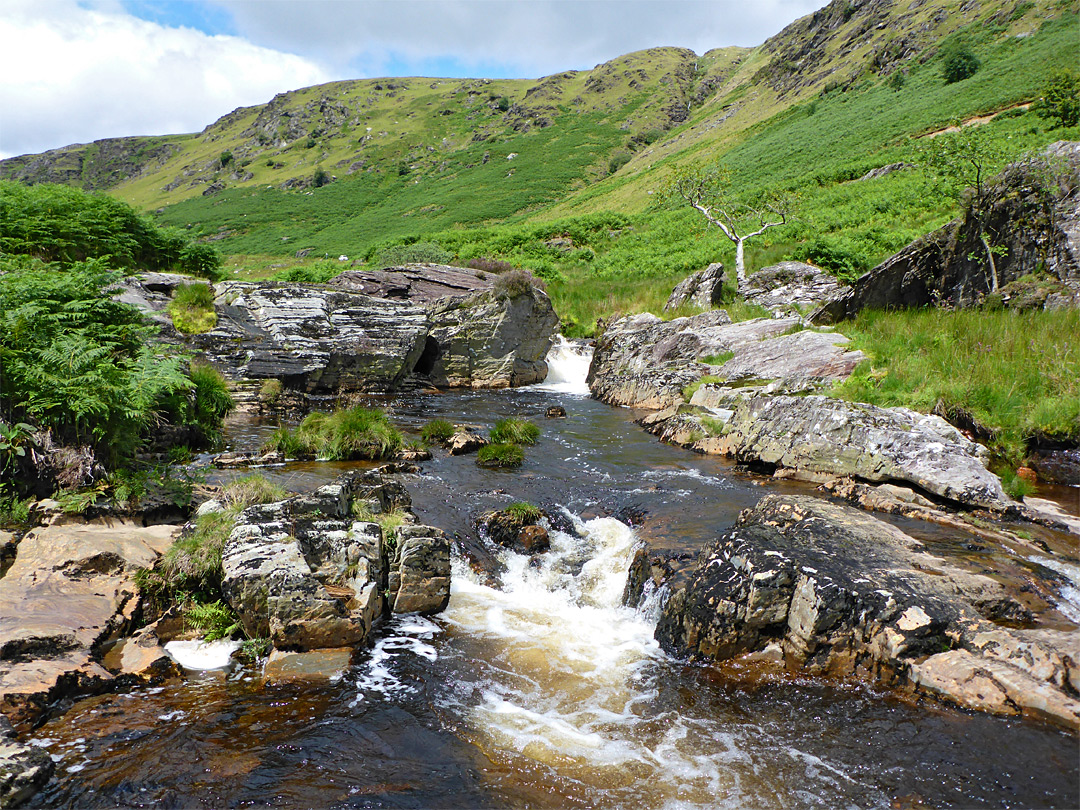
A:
540	690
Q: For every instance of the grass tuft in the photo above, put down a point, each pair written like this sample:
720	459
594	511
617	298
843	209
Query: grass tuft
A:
513	430
500	455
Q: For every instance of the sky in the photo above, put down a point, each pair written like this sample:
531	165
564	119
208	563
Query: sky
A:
74	71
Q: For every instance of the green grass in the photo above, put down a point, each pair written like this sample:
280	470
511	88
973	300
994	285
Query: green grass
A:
436	431
1015	373
192	308
691	388
343	435
500	455
513	430
523	512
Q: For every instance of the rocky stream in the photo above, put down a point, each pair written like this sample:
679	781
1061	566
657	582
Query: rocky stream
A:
543	682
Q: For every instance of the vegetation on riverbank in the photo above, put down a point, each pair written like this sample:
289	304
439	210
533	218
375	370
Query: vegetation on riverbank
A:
1016	374
192	308
344	434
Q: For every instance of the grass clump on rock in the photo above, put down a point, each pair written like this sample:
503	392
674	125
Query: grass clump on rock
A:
500	454
513	430
192	308
437	431
344	435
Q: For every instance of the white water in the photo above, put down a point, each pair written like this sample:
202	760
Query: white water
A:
568	366
563	678
1070	594
202	654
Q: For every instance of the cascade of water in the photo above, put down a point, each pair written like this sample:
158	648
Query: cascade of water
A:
568	366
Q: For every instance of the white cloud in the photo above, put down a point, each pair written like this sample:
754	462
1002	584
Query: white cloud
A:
70	74
530	37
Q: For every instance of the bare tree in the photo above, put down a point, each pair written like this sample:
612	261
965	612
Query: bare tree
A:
708	190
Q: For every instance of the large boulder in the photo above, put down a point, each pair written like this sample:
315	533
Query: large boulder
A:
702	289
644	362
790	288
436	325
822	435
70	591
308	575
829	589
1034	218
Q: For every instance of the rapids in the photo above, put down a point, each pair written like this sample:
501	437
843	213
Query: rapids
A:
537	687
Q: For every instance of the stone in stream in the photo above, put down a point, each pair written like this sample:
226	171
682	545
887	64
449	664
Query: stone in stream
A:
443	326
843	593
307	575
24	769
70	591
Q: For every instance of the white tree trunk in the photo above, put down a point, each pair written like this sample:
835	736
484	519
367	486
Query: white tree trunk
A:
993	266
740	263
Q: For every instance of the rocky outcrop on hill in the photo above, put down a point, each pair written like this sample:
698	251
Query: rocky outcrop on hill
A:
99	165
323	339
644	362
790	288
1033	220
69	591
825	588
307	574
821	435
702	289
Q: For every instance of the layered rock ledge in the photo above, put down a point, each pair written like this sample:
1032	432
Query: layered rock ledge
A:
825	588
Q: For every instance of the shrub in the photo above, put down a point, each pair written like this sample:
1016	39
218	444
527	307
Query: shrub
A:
500	455
513	430
617	161
225	158
344	435
1060	99
897	80
318	273
494	266
416	253
192	308
436	431
514	283
270	392
321	177
959	63
503	104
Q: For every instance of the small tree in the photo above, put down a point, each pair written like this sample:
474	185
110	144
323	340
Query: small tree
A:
959	64
962	163
1061	99
708	190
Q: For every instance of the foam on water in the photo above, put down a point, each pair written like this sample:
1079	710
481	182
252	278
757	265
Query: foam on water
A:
568	366
407	633
202	655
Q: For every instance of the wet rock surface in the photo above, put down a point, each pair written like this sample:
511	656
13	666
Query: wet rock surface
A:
69	591
24	769
308	575
840	592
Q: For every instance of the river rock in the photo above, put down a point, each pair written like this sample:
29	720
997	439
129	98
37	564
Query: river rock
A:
823	435
1035	220
844	593
464	441
514	529
68	593
488	340
24	769
790	288
419	580
306	574
644	362
701	289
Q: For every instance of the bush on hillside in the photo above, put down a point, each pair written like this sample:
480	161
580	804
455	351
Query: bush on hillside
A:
1060	99
416	253
959	63
318	273
515	283
65	225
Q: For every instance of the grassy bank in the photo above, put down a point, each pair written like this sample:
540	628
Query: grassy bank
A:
1017	374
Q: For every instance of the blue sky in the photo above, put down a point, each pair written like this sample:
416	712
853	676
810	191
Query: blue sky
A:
73	71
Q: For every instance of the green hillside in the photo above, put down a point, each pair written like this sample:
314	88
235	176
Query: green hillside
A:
559	175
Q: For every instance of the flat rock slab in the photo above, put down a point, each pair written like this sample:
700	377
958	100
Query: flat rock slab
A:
824	435
791	288
644	362
69	589
842	592
324	664
422	283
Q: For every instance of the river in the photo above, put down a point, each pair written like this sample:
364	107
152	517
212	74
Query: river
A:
537	688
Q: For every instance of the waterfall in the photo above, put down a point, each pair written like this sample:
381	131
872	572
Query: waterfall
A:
568	366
